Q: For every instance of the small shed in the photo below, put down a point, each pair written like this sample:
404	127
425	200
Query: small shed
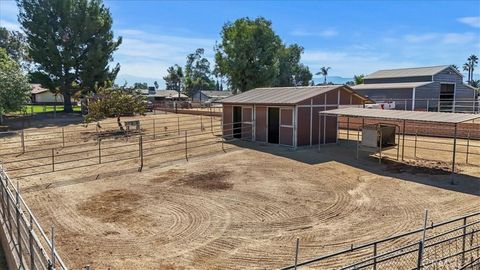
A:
287	115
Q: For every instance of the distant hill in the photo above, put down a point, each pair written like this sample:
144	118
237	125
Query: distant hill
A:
333	79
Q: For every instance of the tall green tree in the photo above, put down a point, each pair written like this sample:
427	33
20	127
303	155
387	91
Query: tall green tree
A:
197	73
472	62
324	72
14	86
15	44
174	78
248	53
290	71
70	41
138	85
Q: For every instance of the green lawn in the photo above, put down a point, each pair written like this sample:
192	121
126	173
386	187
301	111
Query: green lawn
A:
46	108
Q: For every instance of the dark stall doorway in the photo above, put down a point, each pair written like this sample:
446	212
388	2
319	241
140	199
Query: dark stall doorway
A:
273	125
237	122
447	96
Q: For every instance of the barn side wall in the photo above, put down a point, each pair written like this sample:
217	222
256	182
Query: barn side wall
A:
260	123
227	120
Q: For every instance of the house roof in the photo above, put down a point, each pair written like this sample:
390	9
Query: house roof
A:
37	88
168	94
437	117
284	95
407	85
407	72
217	94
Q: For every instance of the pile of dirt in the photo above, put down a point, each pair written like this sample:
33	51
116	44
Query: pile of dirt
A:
116	205
212	180
419	166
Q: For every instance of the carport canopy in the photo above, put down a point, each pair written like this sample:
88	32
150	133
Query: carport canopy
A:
413	116
435	117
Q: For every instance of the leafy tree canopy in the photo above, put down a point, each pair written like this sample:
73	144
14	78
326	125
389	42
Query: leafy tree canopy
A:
15	44
71	42
138	85
358	79
251	55
109	102
197	73
14	86
174	78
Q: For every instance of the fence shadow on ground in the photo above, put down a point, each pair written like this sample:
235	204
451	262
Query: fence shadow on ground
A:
345	154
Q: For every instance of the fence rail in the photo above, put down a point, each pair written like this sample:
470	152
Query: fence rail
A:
30	246
454	243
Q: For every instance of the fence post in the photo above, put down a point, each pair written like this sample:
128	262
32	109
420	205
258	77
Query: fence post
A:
348	129
53	159
53	247
178	125
23	141
296	253
375	256
19	236
420	254
211	120
464	234
99	151
201	123
154	134
415	147
63	137
140	152
186	146
428	105
468	147
30	244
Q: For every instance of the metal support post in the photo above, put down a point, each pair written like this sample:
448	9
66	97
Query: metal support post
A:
140	152
201	123
415	147
30	244
375	256
19	236
53	159
99	151
464	233
178	125
420	254
23	141
454	154
381	144
186	146
403	141
53	247
154	133
296	252
468	148
348	129
63	137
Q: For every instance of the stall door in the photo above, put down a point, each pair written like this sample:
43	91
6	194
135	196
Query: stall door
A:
237	122
273	125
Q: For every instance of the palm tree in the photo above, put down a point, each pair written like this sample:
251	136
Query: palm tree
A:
472	62
324	72
466	67
358	79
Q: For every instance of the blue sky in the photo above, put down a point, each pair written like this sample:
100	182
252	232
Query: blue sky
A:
352	37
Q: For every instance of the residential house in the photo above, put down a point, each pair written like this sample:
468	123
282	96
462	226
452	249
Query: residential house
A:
40	95
203	96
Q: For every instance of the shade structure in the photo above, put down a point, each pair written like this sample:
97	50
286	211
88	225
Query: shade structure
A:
435	117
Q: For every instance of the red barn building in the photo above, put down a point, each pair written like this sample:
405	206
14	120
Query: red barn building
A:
287	115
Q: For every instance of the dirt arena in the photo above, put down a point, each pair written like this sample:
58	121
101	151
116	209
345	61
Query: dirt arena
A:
241	208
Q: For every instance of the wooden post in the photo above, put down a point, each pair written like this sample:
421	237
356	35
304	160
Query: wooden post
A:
186	146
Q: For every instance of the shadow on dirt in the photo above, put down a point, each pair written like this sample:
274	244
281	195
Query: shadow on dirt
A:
426	172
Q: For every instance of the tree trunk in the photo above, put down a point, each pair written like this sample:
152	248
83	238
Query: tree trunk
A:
67	101
120	124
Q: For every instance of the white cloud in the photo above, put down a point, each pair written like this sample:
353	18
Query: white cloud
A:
420	38
471	21
10	25
144	54
458	38
322	33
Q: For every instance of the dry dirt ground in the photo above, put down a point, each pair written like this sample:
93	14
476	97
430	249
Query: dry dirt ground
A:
242	208
238	210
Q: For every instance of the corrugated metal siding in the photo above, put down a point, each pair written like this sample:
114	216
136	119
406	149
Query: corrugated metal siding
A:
286	136
227	120
303	127
398	80
430	92
407	72
246	127
261	124
448	75
400	96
